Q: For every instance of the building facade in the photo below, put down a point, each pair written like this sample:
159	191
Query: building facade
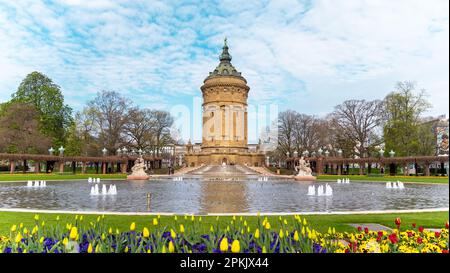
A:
224	119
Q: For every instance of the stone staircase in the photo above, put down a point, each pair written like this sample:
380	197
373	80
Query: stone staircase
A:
186	170
262	170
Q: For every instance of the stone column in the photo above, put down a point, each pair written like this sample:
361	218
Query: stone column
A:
12	166
426	166
123	167
83	167
104	164
37	167
61	167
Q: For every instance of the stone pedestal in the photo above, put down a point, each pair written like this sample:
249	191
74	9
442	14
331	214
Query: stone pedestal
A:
305	178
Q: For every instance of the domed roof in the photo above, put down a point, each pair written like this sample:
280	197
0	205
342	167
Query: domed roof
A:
225	68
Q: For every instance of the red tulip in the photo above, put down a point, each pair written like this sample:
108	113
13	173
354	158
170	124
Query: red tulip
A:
445	251
414	225
409	233
393	238
380	233
359	229
398	221
421	229
366	230
437	234
446	225
419	240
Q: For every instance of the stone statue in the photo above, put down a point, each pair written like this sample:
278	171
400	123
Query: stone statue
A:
304	170
138	170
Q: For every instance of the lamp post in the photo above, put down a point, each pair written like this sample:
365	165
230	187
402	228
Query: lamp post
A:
51	150
140	151
267	160
61	150
295	154
320	151
391	153
339	152
381	151
104	151
124	151
287	154
118	152
306	153
327	153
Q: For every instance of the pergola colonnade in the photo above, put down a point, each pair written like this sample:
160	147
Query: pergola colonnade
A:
103	164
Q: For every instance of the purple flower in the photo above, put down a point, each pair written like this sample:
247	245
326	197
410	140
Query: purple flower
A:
7	250
317	248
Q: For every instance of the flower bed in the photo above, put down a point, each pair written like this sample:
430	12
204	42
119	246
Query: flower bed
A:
183	236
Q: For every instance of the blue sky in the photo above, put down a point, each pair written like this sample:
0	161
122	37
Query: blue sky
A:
302	55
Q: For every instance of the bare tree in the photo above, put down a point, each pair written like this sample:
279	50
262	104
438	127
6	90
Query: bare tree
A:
286	127
110	116
141	128
163	123
354	123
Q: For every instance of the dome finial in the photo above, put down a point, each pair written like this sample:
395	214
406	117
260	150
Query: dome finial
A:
225	42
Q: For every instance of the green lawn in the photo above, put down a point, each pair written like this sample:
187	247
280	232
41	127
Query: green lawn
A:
319	222
426	179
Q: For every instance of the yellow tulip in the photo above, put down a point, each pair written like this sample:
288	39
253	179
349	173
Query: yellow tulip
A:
228	228
267	225
185	217
224	244
234	217
89	249
181	228
242	231
171	247
148	251
159	216
296	238
41	240
98	219
173	234
18	238
200	219
303	231
36	217
248	229
65	241
25	251
117	231
133	226
192	217
231	222
211	229
155	221
245	223
57	218
175	218
281	234
235	247
76	217
21	225
145	232
334	230
13	228
73	233
34	230
163	249
264	250
257	233
103	216
217	218
81	218
329	230
126	249
279	218
304	222
25	231
97	248
110	231
285	222
103	236
240	218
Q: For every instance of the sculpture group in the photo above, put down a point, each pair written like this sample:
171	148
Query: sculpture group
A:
304	170
138	170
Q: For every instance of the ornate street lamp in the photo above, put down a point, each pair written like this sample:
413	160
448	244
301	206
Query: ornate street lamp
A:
51	150
327	153
61	150
295	154
124	151
306	153
391	153
313	154
381	151
104	151
287	153
140	151
320	151
118	152
339	152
